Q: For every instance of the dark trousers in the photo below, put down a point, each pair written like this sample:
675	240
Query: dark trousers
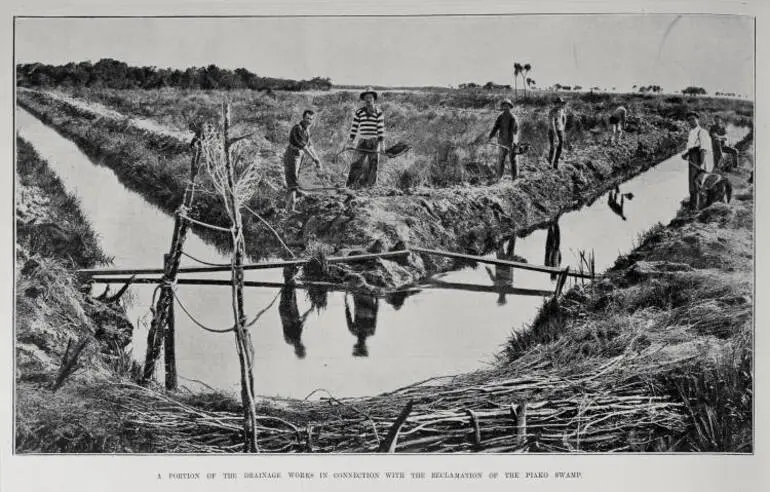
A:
693	170
556	139
719	152
363	171
501	161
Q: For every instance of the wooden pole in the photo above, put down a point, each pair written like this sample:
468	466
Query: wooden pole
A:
169	351
561	281
155	335
255	266
481	259
242	337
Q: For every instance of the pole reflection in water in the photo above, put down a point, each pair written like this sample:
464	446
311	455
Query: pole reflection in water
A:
363	321
502	276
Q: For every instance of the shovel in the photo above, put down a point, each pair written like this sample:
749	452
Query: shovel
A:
393	151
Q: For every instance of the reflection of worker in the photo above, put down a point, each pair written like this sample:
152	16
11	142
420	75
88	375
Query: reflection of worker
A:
291	320
615	206
363	322
369	126
502	277
553	247
507	130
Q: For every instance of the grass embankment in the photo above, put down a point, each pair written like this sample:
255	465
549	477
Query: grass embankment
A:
53	239
425	198
656	356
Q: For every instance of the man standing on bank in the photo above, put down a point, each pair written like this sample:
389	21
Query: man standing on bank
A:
507	130
698	146
299	143
557	122
369	126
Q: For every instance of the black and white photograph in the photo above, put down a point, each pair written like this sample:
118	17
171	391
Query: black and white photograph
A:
400	234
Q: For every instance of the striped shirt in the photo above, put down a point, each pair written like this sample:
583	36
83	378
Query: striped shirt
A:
368	125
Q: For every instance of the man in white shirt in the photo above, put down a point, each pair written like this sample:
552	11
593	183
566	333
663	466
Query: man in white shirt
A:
697	153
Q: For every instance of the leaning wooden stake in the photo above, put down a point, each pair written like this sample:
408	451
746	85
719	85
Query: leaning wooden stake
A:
389	444
169	352
160	319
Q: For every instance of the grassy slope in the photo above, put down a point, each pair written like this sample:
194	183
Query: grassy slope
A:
53	238
686	295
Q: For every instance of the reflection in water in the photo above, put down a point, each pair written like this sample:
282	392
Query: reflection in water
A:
615	206
293	323
502	276
363	322
318	297
553	247
396	299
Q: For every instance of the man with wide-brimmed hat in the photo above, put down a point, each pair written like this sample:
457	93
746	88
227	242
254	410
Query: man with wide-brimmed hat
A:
507	130
557	123
697	154
369	126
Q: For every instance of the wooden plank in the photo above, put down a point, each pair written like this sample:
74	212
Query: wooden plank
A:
440	284
253	266
429	284
493	261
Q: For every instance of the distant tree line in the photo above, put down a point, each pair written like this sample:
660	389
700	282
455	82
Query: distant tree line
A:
114	74
694	91
488	86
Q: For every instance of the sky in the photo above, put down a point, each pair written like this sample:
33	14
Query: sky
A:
673	51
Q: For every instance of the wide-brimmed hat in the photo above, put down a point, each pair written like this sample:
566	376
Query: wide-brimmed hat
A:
559	100
506	101
692	113
368	90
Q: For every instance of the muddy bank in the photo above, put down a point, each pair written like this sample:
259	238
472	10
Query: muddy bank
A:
53	306
458	218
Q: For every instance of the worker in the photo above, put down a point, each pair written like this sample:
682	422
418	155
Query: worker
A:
299	144
557	123
696	154
719	147
618	123
507	130
369	126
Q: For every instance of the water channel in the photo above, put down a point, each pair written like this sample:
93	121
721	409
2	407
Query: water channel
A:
355	345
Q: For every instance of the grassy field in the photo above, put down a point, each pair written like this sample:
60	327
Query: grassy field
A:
447	129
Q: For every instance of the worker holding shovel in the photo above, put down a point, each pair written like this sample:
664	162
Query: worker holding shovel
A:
507	130
369	126
299	143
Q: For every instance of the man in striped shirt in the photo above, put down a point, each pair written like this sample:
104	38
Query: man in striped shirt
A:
369	126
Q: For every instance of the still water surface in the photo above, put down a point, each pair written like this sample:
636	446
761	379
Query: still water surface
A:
355	345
